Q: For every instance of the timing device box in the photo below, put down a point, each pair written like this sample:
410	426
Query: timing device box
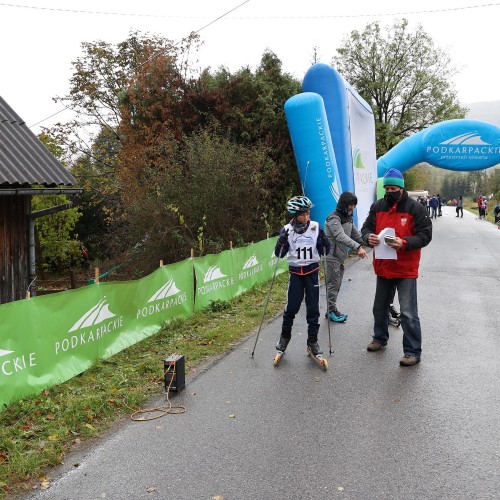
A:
175	376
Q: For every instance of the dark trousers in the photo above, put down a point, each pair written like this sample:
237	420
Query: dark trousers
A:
410	322
298	286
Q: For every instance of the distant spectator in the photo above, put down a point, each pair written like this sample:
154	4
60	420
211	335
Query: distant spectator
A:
480	207
496	211
440	204
484	203
434	204
460	206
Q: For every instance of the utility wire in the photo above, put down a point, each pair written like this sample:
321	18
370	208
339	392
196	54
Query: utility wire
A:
232	10
429	11
381	14
101	13
54	114
160	51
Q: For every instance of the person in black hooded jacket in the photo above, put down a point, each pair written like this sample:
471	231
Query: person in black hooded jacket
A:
342	234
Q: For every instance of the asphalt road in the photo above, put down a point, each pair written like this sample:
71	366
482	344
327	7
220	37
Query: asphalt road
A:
365	429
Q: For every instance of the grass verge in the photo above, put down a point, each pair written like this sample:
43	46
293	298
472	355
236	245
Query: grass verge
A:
37	432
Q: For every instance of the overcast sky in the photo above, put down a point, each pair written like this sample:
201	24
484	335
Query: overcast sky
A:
39	41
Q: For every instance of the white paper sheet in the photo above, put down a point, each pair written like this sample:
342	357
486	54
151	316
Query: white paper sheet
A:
383	250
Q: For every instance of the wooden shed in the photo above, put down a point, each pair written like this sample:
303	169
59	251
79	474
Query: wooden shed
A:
24	163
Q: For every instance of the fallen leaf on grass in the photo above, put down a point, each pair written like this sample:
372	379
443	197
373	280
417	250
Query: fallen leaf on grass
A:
51	417
54	437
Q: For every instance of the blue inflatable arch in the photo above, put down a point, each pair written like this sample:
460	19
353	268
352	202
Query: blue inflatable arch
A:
329	84
460	145
333	135
313	148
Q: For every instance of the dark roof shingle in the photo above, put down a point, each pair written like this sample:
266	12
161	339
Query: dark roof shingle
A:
24	160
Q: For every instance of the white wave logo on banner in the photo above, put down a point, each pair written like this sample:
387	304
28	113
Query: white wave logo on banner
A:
4	353
251	262
165	291
213	273
99	313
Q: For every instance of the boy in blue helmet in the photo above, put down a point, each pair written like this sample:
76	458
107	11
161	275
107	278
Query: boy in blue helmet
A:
342	235
303	242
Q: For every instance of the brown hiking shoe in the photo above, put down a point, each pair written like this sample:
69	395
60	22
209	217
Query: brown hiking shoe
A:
374	346
408	360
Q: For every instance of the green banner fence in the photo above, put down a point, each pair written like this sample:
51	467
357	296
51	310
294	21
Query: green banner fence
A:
49	339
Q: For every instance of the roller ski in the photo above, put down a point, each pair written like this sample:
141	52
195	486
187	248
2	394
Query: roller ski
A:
336	316
280	350
394	316
316	353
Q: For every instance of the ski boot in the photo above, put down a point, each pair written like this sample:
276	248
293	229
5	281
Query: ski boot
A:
394	316
337	316
280	349
314	350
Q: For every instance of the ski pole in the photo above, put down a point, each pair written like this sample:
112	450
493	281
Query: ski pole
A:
267	301
327	312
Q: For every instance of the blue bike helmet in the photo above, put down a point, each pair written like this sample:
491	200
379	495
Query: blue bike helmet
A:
299	204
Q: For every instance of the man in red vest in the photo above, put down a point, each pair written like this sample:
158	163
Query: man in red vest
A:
413	231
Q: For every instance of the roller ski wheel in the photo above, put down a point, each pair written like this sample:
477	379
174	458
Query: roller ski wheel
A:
278	357
396	322
318	358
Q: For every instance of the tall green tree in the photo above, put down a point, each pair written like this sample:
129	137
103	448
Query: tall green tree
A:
102	211
402	75
249	106
57	242
418	177
143	166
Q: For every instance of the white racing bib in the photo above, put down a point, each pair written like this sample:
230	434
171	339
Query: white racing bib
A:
303	251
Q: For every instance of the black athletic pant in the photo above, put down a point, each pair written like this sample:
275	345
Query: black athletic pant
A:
298	286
